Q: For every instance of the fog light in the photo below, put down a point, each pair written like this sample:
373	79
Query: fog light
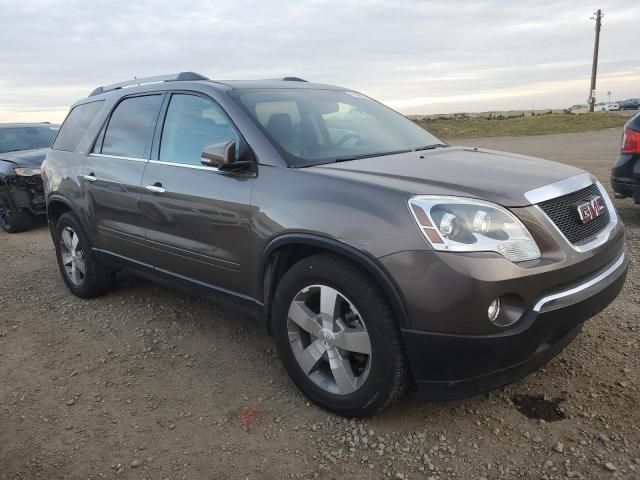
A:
494	310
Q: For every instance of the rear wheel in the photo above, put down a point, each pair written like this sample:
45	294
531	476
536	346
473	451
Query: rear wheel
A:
337	336
12	218
83	276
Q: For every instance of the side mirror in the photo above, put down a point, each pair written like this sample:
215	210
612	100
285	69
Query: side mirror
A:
219	154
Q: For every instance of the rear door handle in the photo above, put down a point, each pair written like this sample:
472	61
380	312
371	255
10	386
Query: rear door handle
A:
156	188
90	178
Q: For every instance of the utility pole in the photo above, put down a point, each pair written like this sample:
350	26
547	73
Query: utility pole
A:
594	68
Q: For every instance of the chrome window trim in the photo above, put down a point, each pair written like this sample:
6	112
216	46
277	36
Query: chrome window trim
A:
159	162
602	236
582	291
133	159
185	165
560	188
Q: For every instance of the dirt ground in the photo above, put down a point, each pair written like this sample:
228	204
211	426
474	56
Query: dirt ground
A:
148	383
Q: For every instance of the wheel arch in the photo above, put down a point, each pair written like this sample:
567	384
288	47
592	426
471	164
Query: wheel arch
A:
284	251
57	205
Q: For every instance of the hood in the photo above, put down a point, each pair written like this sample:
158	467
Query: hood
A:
498	177
26	158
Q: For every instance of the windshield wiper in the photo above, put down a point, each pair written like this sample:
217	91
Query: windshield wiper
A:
431	147
347	158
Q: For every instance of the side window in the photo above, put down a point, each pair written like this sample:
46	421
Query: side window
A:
129	132
76	125
191	123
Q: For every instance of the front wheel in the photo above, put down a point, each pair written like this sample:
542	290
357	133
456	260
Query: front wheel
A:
337	336
12	218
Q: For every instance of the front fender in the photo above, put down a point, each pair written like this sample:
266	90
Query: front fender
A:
6	169
368	263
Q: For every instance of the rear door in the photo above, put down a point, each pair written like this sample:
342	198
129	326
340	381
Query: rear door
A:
114	171
197	217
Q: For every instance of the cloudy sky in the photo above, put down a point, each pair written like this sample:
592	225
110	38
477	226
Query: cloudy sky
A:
417	56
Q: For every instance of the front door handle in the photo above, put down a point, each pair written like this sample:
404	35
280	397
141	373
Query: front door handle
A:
90	178
156	188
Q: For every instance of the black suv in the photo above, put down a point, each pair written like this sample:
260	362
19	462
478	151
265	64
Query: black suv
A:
376	255
22	149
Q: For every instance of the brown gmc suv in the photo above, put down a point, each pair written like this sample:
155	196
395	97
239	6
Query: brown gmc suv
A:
378	257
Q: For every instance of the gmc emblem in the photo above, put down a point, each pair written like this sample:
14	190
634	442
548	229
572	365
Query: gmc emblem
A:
590	210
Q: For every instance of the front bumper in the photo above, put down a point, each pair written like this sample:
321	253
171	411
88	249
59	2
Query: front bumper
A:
28	193
449	366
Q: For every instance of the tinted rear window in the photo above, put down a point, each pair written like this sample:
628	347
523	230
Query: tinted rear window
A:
76	125
13	139
130	129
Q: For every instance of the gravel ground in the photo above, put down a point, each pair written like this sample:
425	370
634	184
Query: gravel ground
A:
148	383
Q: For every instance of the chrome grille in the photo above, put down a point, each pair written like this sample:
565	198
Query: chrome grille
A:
562	212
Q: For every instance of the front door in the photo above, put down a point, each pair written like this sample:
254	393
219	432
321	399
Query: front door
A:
196	217
114	172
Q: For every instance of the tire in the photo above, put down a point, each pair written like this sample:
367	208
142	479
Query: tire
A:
12	218
377	379
72	250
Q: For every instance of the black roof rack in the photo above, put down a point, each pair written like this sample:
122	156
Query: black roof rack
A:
175	77
294	79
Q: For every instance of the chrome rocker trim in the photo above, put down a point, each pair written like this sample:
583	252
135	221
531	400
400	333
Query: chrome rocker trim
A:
581	292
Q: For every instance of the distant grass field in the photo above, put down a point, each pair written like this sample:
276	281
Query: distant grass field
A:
462	126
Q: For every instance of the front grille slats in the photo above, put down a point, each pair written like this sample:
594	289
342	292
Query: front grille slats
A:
562	212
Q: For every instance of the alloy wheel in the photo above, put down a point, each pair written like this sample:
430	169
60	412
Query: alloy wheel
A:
72	256
329	339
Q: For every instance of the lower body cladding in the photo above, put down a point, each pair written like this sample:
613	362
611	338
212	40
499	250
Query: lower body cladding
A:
625	177
626	190
456	359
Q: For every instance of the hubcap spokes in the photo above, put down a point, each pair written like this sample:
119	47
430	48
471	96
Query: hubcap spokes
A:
72	256
329	339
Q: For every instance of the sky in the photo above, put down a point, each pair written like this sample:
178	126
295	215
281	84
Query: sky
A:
419	57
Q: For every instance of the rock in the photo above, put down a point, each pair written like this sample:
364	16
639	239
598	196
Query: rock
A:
559	447
610	466
135	463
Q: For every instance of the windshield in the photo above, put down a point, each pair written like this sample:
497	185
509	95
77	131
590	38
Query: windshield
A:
13	139
309	127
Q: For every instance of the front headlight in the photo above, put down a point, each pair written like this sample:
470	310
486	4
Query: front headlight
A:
26	172
455	224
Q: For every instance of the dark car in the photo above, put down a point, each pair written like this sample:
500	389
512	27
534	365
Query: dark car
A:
630	104
625	174
377	256
22	149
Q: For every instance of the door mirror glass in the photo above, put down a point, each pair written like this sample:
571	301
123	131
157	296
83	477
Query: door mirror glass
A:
219	154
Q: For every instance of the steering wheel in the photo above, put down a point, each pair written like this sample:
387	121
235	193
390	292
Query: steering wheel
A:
348	136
